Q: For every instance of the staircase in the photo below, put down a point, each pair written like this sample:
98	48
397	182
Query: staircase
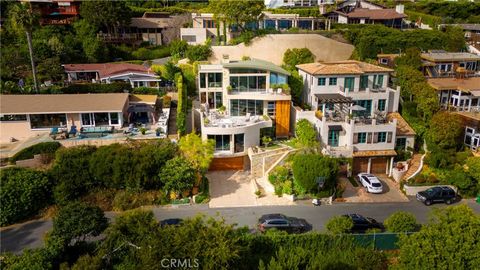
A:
413	166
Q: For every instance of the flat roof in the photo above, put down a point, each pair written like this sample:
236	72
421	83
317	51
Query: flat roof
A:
464	85
450	56
62	103
109	69
256	64
147	99
403	128
341	67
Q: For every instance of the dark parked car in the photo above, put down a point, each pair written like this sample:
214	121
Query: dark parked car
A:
361	223
437	194
171	221
282	222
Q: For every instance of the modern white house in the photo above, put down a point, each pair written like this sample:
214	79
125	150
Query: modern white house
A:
242	101
136	75
351	106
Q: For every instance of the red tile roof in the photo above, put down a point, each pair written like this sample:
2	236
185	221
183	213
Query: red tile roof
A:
375	14
108	69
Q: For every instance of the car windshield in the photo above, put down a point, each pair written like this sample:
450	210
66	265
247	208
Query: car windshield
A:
430	191
376	185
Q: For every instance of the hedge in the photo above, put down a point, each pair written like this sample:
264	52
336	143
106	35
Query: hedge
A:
40	148
23	193
115	87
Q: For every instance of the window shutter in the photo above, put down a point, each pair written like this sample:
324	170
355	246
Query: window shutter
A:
389	137
375	137
369	137
355	138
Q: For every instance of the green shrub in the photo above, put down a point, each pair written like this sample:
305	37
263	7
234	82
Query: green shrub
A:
401	222
126	200
307	167
146	91
198	52
23	193
339	225
40	148
202	198
151	53
287	187
115	87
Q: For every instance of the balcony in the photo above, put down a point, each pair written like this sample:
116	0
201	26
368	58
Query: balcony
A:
217	120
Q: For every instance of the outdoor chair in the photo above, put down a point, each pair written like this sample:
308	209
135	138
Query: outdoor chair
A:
73	131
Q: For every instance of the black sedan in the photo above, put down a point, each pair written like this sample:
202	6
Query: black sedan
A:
362	224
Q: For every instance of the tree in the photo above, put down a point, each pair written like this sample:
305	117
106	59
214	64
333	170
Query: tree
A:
306	136
295	56
426	99
198	152
107	14
406	78
445	131
295	81
23	18
473	168
23	192
178	175
71	173
456	38
448	241
339	225
178	48
237	12
198	52
401	222
77	220
411	58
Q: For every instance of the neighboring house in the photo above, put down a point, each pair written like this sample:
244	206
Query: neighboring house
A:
405	134
156	28
136	75
351	103
366	12
387	59
24	116
296	3
240	106
205	27
56	12
446	64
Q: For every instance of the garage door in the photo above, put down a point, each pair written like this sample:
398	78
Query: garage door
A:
227	163
360	165
379	165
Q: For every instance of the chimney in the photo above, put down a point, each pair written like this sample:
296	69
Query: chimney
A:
400	9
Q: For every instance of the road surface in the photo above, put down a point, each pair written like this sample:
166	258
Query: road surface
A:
31	234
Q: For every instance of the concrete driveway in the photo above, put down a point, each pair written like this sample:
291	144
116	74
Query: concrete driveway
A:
231	189
391	192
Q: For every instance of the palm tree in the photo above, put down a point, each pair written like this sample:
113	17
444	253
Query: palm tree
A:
24	19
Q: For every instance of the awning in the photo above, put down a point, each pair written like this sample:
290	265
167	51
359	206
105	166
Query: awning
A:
333	98
335	128
140	109
375	153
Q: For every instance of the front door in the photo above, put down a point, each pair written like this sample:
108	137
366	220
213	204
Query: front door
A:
333	137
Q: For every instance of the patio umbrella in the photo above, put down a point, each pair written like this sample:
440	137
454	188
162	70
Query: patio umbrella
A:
357	108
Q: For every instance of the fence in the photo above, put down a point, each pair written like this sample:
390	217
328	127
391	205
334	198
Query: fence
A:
379	241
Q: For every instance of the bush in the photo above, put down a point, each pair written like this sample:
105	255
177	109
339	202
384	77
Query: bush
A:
339	225
41	148
146	91
198	53
126	200
115	87
151	53
202	198
71	172
23	193
306	136
307	167
401	222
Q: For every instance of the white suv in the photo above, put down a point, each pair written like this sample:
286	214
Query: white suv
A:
370	182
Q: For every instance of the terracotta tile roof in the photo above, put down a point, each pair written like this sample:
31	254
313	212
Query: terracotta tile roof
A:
465	85
62	103
108	69
374	153
341	67
403	128
375	14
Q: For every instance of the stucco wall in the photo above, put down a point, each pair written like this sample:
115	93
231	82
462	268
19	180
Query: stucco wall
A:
272	47
20	130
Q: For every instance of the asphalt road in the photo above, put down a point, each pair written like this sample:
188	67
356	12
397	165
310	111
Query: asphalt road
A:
31	234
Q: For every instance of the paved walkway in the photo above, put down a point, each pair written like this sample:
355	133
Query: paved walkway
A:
413	166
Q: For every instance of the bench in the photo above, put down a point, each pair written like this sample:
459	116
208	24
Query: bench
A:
84	131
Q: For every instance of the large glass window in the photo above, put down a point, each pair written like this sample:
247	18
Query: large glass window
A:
222	142
362	137
269	24
248	83
218	99
48	120
214	79
114	120
101	119
322	81
305	25
382	137
240	107
367	104
332	81
271	108
13	117
87	119
239	143
363	82
381	104
276	78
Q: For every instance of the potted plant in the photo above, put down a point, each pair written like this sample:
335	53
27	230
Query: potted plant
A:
143	130
229	89
221	109
266	140
158	131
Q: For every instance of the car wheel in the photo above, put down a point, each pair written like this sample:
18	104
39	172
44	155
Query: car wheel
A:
428	202
449	201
